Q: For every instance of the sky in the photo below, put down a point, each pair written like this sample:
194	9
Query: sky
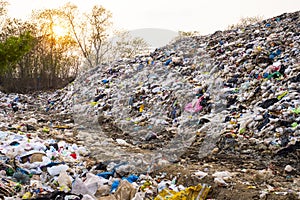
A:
178	15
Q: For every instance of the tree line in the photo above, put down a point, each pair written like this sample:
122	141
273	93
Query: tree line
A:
48	50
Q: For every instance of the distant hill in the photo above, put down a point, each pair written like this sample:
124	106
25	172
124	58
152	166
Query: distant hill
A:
155	37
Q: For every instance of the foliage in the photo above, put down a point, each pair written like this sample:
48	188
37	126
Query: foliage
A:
13	49
188	33
124	45
3	7
96	41
56	52
184	34
90	31
47	50
3	11
45	61
245	21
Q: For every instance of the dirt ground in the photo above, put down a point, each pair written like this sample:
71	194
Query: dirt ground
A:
247	185
254	176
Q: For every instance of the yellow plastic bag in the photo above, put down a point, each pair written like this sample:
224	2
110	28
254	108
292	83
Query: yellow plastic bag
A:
27	195
198	192
93	103
142	108
62	127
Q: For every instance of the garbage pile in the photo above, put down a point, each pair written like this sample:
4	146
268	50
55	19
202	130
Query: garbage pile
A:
236	90
51	168
226	106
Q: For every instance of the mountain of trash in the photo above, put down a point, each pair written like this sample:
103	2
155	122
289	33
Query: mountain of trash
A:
235	91
213	116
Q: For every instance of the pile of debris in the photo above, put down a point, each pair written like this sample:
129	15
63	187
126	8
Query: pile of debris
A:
226	106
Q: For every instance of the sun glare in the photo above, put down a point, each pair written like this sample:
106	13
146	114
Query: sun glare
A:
59	31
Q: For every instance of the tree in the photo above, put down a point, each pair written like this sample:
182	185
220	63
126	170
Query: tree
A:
15	42
124	45
13	49
184	34
59	39
90	31
96	41
245	21
3	11
58	54
34	56
188	33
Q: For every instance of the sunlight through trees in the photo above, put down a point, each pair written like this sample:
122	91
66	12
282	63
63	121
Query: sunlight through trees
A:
47	50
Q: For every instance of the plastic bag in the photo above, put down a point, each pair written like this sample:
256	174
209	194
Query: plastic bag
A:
194	107
126	191
198	192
